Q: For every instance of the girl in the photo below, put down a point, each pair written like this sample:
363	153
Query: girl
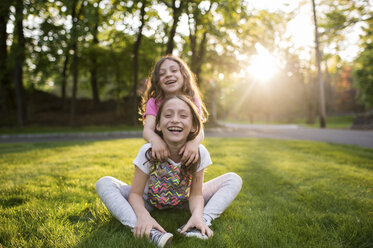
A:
170	184
171	76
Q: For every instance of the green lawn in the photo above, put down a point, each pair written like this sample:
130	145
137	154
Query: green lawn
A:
335	122
294	194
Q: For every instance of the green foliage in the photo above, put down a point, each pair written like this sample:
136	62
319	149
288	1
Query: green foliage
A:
294	194
364	68
219	40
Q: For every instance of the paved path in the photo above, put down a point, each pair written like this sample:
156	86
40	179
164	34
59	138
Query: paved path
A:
363	138
288	132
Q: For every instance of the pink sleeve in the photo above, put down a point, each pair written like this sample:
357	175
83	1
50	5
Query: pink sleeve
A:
151	108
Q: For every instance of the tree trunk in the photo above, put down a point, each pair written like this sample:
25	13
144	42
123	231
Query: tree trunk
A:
198	50
198	57
75	84
309	90
176	13
136	49
318	61
95	94
19	60
74	47
4	71
64	76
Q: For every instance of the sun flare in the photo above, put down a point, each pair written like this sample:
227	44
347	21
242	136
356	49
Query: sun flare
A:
263	66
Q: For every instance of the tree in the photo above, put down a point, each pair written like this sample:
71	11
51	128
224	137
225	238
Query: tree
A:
341	17
94	65
136	49
176	13
199	22
19	50
76	13
4	71
319	73
364	68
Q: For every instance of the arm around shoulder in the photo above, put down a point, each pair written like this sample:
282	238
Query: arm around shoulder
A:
149	127
159	147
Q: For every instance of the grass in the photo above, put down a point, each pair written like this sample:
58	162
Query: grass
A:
294	194
335	122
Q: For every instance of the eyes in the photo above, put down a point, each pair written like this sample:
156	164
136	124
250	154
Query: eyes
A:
173	70
181	115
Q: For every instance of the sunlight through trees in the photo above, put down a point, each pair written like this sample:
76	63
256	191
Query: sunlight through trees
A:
102	51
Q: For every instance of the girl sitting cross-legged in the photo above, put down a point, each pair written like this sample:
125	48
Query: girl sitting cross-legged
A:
169	184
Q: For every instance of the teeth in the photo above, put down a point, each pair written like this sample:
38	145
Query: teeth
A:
170	82
175	129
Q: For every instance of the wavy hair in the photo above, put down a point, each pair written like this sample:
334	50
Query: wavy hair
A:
189	89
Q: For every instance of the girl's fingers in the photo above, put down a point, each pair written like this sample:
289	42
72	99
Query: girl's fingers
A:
159	228
158	156
136	232
208	231
185	157
182	150
165	155
185	228
190	160
203	232
153	154
196	158
147	231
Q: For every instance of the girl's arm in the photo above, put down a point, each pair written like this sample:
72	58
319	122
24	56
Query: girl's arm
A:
159	147
145	222
191	148
196	206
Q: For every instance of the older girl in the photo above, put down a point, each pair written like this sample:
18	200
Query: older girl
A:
168	184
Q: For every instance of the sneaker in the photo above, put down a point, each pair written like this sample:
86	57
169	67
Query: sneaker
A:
160	239
193	232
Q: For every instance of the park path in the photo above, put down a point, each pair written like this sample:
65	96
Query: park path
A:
287	132
363	138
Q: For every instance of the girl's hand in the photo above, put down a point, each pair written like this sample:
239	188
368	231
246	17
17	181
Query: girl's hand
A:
198	223
144	225
190	152
160	150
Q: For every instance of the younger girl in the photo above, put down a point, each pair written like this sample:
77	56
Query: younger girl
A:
171	76
170	183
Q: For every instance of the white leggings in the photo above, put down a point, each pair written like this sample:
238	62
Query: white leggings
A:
218	194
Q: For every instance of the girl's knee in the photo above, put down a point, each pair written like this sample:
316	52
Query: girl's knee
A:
235	180
103	183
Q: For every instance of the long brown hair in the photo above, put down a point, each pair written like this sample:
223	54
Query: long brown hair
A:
189	89
197	125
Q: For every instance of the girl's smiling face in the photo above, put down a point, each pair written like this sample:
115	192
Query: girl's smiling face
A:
176	121
170	78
